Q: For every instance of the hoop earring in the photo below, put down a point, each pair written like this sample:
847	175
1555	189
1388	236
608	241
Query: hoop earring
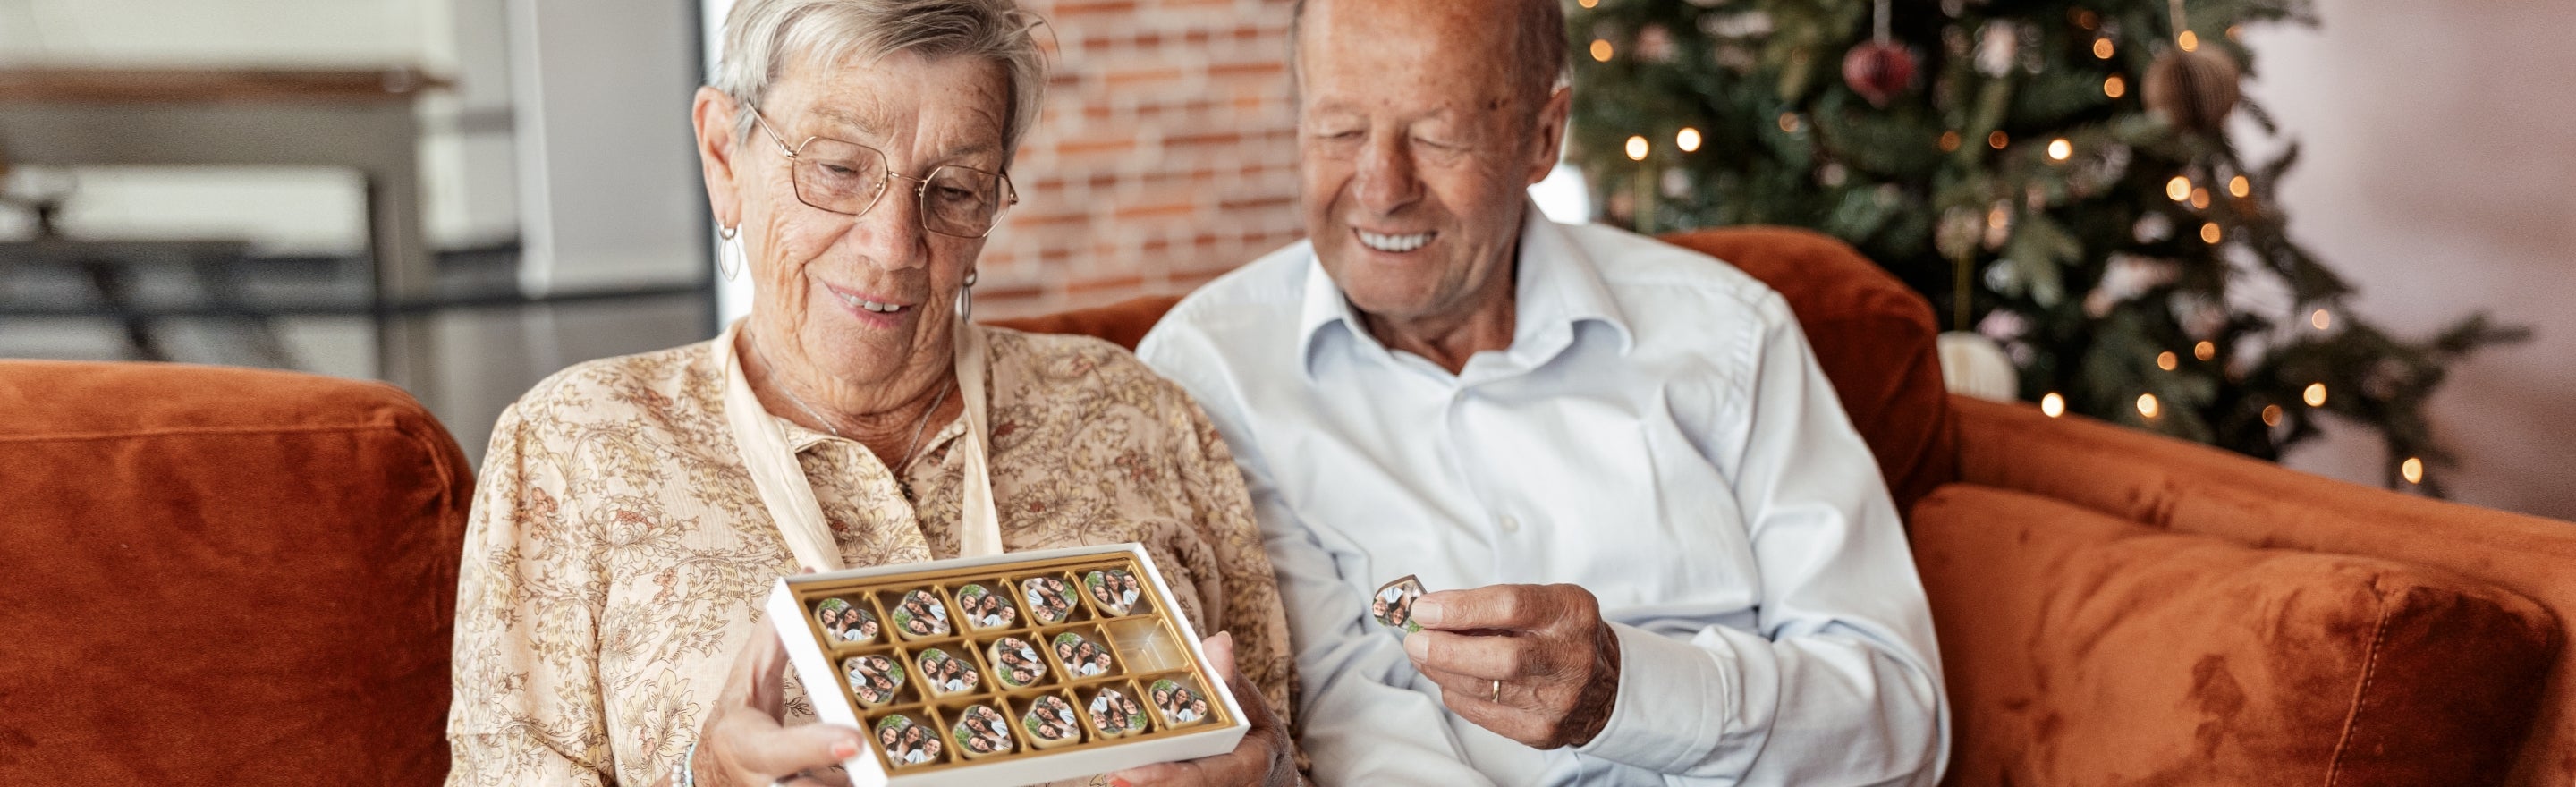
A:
966	298
729	253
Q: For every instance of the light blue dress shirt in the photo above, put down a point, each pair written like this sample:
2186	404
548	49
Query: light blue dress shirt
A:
1659	433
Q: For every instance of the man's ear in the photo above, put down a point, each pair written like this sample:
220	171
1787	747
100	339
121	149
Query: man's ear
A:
1551	134
713	113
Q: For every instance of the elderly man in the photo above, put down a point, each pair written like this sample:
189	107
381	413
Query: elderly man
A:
1440	382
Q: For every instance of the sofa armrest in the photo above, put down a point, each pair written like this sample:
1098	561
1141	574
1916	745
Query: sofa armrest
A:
227	576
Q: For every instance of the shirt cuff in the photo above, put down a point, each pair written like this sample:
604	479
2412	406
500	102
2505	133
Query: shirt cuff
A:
1669	713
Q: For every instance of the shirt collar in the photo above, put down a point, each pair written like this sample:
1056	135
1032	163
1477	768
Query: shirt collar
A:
1555	289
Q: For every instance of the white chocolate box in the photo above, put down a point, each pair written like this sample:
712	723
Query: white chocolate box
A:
1142	692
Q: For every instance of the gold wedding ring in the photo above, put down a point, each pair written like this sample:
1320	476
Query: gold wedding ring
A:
1497	696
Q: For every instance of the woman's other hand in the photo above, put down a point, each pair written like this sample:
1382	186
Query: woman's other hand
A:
1264	756
745	745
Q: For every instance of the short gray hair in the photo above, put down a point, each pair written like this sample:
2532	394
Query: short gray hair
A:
760	36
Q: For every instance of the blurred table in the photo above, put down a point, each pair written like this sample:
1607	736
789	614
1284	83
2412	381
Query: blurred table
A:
356	119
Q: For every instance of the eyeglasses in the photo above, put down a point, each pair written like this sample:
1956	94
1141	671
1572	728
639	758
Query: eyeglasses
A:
848	178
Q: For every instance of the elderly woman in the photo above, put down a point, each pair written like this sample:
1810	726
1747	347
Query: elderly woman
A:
634	511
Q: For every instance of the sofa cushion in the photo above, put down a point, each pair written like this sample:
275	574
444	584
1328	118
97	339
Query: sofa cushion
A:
2082	649
223	576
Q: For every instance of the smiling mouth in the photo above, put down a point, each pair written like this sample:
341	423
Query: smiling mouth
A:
1394	243
863	303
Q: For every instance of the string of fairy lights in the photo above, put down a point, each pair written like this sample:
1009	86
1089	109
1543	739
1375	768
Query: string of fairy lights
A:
2182	189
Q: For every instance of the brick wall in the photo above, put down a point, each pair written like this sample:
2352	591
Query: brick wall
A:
1165	156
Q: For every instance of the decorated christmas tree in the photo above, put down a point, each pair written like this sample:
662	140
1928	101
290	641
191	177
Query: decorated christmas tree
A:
2058	177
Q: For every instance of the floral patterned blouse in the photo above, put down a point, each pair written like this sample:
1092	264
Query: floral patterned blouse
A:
618	554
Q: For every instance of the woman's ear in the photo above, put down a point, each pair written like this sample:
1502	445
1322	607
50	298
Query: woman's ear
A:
714	115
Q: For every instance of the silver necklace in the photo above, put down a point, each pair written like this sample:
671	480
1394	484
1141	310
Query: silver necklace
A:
917	428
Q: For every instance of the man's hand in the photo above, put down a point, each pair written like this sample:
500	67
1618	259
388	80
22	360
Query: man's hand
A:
1262	758
1556	659
743	743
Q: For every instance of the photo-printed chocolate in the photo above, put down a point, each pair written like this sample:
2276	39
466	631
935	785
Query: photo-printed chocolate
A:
874	679
1115	715
1050	722
907	741
1081	656
1393	604
1179	705
1016	663
919	615
981	732
1050	598
847	621
947	673
1114	590
985	608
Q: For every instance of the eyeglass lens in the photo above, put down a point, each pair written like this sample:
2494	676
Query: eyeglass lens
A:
847	178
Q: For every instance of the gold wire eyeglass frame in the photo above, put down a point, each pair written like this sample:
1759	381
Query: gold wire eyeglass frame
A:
885	174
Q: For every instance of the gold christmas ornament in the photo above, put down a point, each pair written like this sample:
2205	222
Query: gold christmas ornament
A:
2193	91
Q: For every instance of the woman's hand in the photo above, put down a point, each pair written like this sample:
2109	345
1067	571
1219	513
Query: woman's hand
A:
1263	757
743	743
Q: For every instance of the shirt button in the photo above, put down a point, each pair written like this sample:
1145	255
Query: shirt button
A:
1511	524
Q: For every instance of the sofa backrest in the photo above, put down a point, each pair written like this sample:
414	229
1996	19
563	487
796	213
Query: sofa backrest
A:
1873	336
223	576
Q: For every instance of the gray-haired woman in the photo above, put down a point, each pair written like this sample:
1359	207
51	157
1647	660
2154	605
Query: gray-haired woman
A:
633	512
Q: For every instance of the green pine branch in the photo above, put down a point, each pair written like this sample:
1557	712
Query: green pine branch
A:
2025	154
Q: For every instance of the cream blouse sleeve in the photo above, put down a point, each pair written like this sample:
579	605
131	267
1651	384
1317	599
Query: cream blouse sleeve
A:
1252	607
527	709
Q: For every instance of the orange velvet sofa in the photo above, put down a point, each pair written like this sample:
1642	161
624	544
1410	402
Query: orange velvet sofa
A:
245	577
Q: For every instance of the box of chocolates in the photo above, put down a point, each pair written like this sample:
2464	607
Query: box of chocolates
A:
1011	669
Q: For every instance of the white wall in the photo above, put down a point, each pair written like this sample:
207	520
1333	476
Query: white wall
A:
608	176
2439	175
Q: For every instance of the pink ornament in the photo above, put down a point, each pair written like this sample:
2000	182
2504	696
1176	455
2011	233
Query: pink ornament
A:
1878	70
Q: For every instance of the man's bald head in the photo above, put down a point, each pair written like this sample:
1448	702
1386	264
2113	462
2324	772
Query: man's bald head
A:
1536	56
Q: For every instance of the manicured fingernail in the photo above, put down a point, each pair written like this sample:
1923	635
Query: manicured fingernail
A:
845	750
1118	782
1426	611
1417	646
